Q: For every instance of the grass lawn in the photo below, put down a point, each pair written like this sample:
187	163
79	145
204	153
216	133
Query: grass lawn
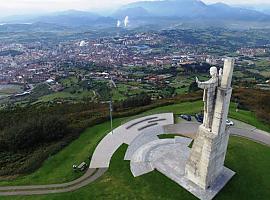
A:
182	108
69	81
247	117
250	160
58	168
125	90
167	136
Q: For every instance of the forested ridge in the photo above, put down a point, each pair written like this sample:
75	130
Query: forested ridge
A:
28	135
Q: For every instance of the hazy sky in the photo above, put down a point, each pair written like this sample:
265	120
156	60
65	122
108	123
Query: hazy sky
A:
11	7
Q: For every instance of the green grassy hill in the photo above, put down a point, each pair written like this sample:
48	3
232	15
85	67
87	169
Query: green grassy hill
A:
250	160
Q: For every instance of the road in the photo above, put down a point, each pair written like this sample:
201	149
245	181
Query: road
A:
240	129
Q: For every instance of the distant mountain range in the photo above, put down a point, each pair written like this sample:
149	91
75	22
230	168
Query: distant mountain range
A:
264	8
150	12
194	9
73	18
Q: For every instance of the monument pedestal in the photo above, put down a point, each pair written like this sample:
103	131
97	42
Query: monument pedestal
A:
205	164
169	157
208	194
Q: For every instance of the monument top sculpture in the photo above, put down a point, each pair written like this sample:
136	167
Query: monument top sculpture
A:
205	165
209	95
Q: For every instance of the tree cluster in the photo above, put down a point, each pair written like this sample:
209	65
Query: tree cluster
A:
140	100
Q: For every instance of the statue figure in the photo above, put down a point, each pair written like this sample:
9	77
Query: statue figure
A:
209	96
205	165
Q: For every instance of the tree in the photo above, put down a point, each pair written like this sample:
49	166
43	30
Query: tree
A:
139	100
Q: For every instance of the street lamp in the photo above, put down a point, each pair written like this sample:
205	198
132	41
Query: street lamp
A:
111	85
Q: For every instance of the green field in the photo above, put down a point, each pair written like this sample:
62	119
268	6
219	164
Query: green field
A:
251	181
250	160
10	89
125	90
67	96
263	67
69	81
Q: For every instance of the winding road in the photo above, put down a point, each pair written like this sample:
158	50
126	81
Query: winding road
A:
125	134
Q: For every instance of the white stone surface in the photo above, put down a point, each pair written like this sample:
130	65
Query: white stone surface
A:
151	155
125	135
184	128
140	168
183	140
206	161
169	156
139	141
143	153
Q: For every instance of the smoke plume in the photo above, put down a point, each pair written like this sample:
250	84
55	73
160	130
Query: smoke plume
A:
126	21
118	23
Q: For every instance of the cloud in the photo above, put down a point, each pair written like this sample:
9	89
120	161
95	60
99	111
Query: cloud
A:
37	6
238	1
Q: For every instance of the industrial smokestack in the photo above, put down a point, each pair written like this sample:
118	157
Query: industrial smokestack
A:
126	21
118	23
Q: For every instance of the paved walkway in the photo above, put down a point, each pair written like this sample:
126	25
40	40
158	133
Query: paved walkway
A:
169	156
250	132
146	156
101	157
90	176
125	134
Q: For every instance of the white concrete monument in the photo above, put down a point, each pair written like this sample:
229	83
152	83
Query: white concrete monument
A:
200	169
205	165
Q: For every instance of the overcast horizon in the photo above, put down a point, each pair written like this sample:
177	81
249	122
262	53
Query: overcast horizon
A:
17	7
